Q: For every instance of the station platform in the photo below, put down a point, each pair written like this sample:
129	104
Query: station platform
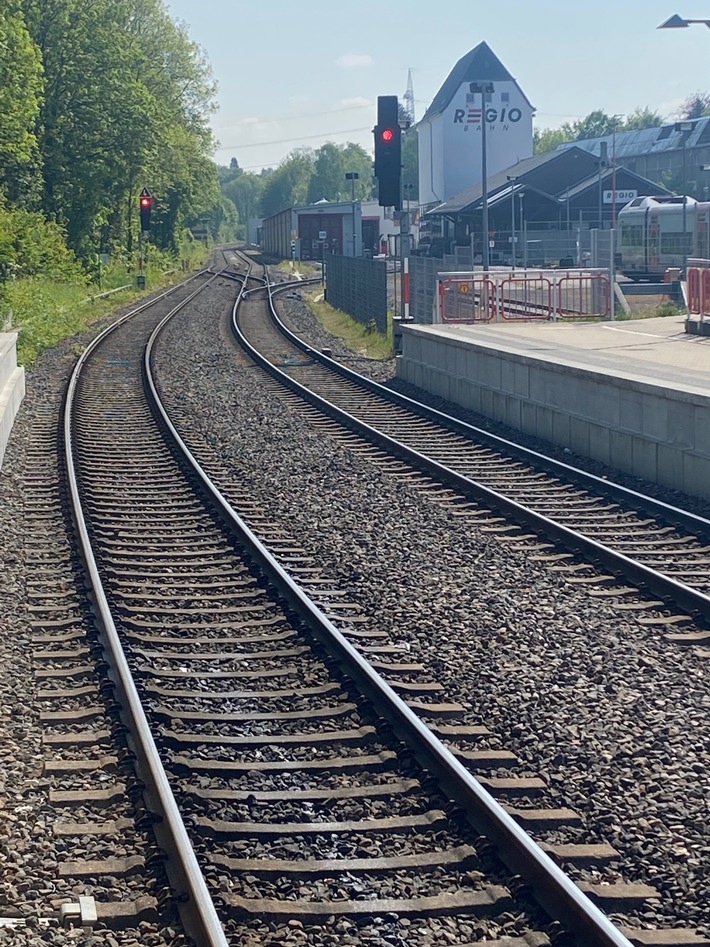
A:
632	394
12	387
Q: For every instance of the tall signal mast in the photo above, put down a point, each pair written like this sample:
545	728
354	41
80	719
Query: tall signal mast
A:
408	98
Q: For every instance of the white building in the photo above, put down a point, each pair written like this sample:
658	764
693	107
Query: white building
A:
450	133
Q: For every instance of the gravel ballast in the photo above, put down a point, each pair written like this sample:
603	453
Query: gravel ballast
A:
612	716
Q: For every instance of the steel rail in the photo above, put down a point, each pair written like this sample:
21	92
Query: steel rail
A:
672	514
695	601
554	889
195	905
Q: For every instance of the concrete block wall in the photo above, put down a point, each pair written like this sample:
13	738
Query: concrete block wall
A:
12	387
661	435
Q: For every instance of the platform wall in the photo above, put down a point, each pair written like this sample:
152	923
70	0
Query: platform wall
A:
12	387
642	429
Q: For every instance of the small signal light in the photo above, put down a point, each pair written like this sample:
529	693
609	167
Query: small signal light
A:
387	134
145	206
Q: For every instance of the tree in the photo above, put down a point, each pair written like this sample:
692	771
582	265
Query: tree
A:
288	185
642	118
595	125
245	193
126	104
328	177
355	158
410	164
695	106
548	139
331	164
20	96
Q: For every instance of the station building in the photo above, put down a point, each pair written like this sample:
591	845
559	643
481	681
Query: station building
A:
297	232
449	134
676	154
544	196
315	230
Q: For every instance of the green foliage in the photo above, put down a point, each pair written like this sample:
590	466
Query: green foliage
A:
642	118
126	101
244	190
46	311
358	337
305	176
20	95
548	139
30	246
596	125
288	185
696	106
410	164
331	164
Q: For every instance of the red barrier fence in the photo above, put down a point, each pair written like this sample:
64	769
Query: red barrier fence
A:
469	298
699	288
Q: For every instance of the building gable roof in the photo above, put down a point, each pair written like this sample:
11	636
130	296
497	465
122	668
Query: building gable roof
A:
645	141
607	177
479	64
536	173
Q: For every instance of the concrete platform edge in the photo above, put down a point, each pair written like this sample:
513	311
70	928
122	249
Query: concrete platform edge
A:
628	422
12	390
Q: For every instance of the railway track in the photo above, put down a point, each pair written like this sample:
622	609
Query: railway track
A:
655	546
284	776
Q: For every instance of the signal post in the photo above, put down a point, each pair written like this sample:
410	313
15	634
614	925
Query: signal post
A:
145	206
388	171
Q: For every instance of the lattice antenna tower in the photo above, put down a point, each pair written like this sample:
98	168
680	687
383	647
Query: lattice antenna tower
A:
409	98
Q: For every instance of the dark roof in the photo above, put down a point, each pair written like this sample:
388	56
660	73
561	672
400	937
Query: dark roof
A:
645	141
608	175
549	173
481	63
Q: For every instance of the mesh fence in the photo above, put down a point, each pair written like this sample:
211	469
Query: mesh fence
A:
358	287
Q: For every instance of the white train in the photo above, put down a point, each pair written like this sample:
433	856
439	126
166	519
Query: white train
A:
650	237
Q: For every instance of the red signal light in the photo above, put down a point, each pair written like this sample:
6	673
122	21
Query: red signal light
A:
146	201
387	134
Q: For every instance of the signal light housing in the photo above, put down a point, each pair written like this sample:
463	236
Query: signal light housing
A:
388	152
145	206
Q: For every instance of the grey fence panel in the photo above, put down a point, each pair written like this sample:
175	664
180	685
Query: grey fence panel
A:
422	282
358	287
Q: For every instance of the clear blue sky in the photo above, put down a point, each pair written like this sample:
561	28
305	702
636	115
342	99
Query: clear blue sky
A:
294	74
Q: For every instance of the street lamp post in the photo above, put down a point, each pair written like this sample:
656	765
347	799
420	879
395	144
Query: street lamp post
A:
353	176
485	88
512	180
602	165
684	127
676	22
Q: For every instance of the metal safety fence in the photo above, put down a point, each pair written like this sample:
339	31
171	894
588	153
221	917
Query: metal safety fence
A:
505	296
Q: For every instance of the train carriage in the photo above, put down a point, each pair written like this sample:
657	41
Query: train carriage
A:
651	237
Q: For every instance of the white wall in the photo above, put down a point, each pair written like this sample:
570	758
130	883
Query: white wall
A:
450	143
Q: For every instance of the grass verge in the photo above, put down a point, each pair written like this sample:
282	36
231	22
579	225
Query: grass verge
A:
45	312
362	339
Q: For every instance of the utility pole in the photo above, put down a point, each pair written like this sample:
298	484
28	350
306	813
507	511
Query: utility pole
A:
684	128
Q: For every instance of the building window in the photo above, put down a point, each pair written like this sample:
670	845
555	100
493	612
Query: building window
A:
631	235
677	243
505	96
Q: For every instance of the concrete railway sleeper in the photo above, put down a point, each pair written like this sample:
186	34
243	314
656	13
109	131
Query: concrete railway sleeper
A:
229	776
